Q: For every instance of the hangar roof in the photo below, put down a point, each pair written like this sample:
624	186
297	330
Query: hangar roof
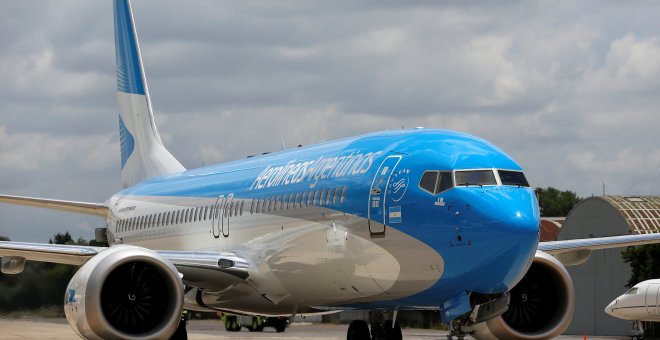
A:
642	213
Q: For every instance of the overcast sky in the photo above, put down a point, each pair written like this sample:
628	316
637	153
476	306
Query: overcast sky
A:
571	90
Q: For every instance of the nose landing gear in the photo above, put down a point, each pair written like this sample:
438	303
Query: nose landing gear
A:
381	328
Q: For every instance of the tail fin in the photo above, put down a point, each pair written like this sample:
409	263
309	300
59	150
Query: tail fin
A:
142	152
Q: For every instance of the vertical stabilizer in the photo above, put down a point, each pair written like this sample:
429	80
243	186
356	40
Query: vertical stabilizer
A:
142	152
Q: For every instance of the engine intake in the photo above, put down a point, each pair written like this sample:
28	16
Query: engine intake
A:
541	304
125	292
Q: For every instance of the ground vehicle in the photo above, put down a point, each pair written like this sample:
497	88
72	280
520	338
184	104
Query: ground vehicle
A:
234	323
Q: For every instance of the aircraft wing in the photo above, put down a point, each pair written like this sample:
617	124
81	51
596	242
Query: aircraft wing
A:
574	252
97	209
226	262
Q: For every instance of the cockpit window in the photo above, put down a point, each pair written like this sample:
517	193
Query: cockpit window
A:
428	181
475	177
445	181
436	181
631	291
513	178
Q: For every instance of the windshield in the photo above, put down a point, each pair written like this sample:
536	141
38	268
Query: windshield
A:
475	177
513	178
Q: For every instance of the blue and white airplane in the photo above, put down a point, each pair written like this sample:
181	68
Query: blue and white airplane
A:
397	220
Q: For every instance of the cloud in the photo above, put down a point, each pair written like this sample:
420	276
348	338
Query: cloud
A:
569	89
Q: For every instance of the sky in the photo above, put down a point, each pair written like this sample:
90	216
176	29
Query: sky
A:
570	90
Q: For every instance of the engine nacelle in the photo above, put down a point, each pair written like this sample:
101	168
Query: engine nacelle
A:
125	292
541	304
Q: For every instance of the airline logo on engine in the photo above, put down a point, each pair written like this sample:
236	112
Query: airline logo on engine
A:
312	171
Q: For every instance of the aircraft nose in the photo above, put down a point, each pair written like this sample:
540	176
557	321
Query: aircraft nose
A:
610	308
511	210
504	222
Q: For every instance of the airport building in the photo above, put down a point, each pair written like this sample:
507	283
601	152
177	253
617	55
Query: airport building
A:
604	276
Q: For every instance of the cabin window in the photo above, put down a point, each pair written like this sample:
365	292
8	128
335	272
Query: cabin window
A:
252	207
240	209
303	199
343	195
310	198
270	204
334	196
282	202
329	197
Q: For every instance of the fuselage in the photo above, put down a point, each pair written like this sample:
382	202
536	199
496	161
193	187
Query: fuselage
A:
640	303
397	219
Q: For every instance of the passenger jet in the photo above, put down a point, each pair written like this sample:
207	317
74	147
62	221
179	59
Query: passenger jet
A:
416	219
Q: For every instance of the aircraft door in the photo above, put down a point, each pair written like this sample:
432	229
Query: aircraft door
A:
216	216
377	212
226	213
652	299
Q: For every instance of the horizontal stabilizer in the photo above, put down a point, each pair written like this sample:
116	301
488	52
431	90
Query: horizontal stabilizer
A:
97	209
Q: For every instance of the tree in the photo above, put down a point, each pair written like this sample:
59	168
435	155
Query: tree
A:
644	262
60	238
40	284
4	238
554	202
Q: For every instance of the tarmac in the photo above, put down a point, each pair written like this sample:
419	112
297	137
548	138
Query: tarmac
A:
37	328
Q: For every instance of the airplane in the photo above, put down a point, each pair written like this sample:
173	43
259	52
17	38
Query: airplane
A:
416	219
639	303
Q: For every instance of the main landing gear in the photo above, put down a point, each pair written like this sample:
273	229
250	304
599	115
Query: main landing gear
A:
381	329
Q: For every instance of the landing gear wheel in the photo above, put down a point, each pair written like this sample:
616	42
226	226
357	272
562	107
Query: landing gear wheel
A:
181	333
393	333
280	325
358	330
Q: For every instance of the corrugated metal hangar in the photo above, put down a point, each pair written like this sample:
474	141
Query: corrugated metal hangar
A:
604	276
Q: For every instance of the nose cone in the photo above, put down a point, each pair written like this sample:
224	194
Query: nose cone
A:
610	308
506	222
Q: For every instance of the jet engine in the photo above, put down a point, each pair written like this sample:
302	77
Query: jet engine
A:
125	292
541	304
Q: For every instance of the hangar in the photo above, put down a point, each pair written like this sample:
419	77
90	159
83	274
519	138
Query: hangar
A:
604	276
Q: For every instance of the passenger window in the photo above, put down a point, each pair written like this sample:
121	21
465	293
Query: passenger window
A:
327	198
334	196
291	201
282	202
310	196
240	210
270	203
428	181
321	197
445	181
343	195
258	209
252	207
